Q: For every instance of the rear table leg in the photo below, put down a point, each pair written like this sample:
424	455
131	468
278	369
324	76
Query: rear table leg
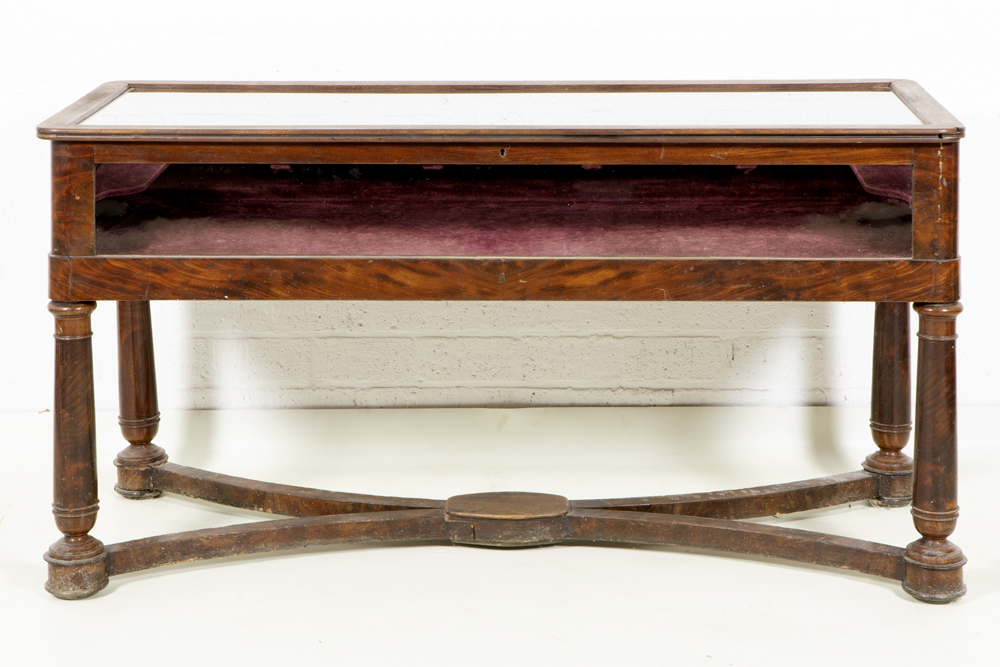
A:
890	422
139	416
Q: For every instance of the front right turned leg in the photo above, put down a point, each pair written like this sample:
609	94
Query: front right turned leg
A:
933	563
77	561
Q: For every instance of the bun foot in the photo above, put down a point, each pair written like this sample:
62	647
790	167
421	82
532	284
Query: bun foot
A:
934	571
135	471
137	495
76	568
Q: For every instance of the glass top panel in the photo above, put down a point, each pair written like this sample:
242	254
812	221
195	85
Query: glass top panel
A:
562	110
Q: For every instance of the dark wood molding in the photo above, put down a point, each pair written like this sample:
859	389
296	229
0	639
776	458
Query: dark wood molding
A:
66	124
547	152
86	106
125	278
925	107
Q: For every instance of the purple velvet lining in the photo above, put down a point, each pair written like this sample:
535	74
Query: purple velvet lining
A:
117	180
507	211
886	180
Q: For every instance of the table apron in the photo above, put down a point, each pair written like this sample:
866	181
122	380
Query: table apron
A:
126	278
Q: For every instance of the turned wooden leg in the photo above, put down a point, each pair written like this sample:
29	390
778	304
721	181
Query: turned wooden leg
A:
139	414
933	563
76	562
890	422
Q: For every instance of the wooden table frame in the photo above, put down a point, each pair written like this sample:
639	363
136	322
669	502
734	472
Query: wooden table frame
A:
930	567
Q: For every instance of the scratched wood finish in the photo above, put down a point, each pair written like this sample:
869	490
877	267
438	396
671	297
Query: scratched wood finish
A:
76	562
718	534
934	563
509	519
410	525
406	279
297	501
890	405
72	199
759	501
935	201
275	498
139	415
506	519
613	151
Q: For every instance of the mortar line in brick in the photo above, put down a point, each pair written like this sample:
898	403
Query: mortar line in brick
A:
313	356
721	334
700	385
504	398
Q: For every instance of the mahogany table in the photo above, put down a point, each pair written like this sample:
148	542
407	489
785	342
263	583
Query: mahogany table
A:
765	191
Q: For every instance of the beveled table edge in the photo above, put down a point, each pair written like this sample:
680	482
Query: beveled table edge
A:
939	125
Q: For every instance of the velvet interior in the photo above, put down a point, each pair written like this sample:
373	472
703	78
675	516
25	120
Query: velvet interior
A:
116	180
506	211
895	181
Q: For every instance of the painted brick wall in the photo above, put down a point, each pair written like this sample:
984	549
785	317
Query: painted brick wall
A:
374	354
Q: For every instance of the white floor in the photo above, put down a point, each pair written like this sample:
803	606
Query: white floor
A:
439	604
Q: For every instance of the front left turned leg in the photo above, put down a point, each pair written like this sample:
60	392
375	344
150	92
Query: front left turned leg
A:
139	415
933	563
77	561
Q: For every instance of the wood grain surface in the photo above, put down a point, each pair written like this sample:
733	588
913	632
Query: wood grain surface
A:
414	279
935	202
613	150
72	199
753	502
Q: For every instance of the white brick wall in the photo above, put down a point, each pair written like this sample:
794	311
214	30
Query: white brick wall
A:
371	354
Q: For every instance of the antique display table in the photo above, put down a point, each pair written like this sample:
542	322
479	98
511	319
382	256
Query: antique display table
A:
768	191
